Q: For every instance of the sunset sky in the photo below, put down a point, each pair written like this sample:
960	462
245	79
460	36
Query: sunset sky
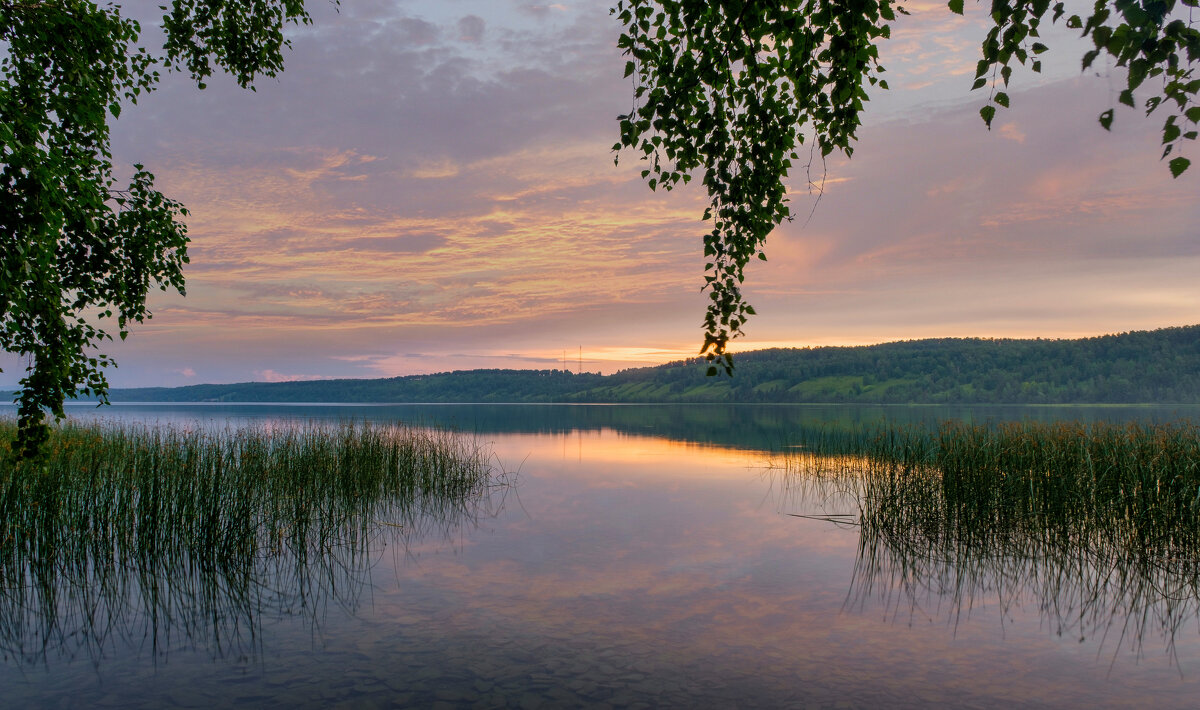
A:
430	186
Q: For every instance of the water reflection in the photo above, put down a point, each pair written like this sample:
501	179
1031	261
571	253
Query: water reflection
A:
629	570
744	427
1082	589
928	563
91	607
151	541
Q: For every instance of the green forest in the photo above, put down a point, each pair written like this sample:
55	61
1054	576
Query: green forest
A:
1159	366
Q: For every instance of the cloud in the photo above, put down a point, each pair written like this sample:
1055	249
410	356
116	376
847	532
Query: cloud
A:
541	11
1012	132
273	376
471	28
415	31
421	203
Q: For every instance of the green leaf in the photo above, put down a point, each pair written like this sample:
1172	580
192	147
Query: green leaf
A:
988	113
956	6
1001	98
1106	119
1178	165
1138	69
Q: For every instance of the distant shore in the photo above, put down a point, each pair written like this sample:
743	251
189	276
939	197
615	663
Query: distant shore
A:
1142	367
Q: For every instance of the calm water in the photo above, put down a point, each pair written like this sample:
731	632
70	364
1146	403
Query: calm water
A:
642	557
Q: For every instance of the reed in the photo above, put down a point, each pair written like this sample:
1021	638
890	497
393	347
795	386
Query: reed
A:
1136	483
198	531
1097	525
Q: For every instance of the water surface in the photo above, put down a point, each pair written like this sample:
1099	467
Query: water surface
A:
643	557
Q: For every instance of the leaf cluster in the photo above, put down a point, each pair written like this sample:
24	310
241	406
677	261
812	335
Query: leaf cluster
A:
76	248
243	37
729	89
1144	37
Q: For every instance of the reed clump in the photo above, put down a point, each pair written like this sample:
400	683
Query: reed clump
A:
137	522
1138	483
1097	524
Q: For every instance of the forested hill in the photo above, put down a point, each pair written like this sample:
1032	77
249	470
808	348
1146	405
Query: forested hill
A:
1145	366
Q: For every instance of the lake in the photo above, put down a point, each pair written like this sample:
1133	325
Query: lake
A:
637	556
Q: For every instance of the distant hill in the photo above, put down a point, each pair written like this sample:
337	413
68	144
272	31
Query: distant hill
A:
1142	366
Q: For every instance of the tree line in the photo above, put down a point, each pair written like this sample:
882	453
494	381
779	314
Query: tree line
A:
1159	366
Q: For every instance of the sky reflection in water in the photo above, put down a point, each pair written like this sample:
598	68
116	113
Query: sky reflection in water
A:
624	568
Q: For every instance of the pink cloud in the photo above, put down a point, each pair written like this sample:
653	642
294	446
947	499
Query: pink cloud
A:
273	376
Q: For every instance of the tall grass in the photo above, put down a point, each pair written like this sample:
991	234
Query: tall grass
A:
1137	484
127	530
1097	525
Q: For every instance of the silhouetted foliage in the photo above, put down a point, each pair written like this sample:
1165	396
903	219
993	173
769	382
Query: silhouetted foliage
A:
76	248
728	90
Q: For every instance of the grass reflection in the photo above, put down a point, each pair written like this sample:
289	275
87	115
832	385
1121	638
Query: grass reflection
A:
158	538
1097	526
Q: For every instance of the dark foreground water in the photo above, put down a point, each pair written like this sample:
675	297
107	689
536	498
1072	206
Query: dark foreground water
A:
640	557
